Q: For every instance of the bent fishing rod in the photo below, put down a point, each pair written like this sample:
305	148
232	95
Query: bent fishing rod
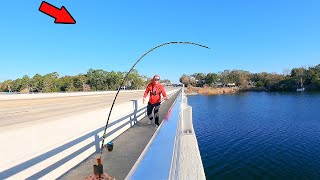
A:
126	76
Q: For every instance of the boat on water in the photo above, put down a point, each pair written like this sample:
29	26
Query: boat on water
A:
301	88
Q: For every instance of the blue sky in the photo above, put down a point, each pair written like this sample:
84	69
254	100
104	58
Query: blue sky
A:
268	35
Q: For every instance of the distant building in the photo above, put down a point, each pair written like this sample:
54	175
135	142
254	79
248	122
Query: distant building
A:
251	83
231	84
218	84
166	84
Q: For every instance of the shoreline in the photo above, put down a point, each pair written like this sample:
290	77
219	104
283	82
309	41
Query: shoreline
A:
191	91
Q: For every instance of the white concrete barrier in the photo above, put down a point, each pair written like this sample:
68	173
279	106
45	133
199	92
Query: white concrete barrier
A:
48	150
58	94
186	160
173	152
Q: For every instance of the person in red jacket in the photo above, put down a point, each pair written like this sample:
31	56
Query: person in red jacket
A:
156	89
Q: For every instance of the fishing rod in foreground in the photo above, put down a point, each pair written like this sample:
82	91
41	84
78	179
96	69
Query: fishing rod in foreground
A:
99	169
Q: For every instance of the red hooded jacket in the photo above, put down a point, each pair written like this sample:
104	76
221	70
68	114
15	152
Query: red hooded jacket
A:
155	92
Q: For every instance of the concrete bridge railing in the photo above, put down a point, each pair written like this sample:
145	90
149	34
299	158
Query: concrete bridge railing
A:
173	151
186	163
49	150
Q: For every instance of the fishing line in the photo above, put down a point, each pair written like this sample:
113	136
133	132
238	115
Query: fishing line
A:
126	76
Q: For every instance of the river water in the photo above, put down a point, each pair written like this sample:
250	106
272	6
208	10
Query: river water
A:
258	135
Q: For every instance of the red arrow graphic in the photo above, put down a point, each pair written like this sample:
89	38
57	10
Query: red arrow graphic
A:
62	16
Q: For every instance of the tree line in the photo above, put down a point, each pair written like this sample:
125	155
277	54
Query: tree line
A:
288	81
93	80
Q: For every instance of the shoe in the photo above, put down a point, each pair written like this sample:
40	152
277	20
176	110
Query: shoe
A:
149	122
156	127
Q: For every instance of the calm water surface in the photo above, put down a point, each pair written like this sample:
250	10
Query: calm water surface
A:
258	135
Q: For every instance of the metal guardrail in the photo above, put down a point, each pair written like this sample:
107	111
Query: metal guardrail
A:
155	161
88	144
62	158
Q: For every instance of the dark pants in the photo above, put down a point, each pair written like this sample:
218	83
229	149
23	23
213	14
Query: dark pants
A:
156	108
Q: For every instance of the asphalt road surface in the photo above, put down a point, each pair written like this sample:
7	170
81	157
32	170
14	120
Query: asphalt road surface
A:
14	112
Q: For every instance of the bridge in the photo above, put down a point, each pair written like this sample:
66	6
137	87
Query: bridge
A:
58	136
